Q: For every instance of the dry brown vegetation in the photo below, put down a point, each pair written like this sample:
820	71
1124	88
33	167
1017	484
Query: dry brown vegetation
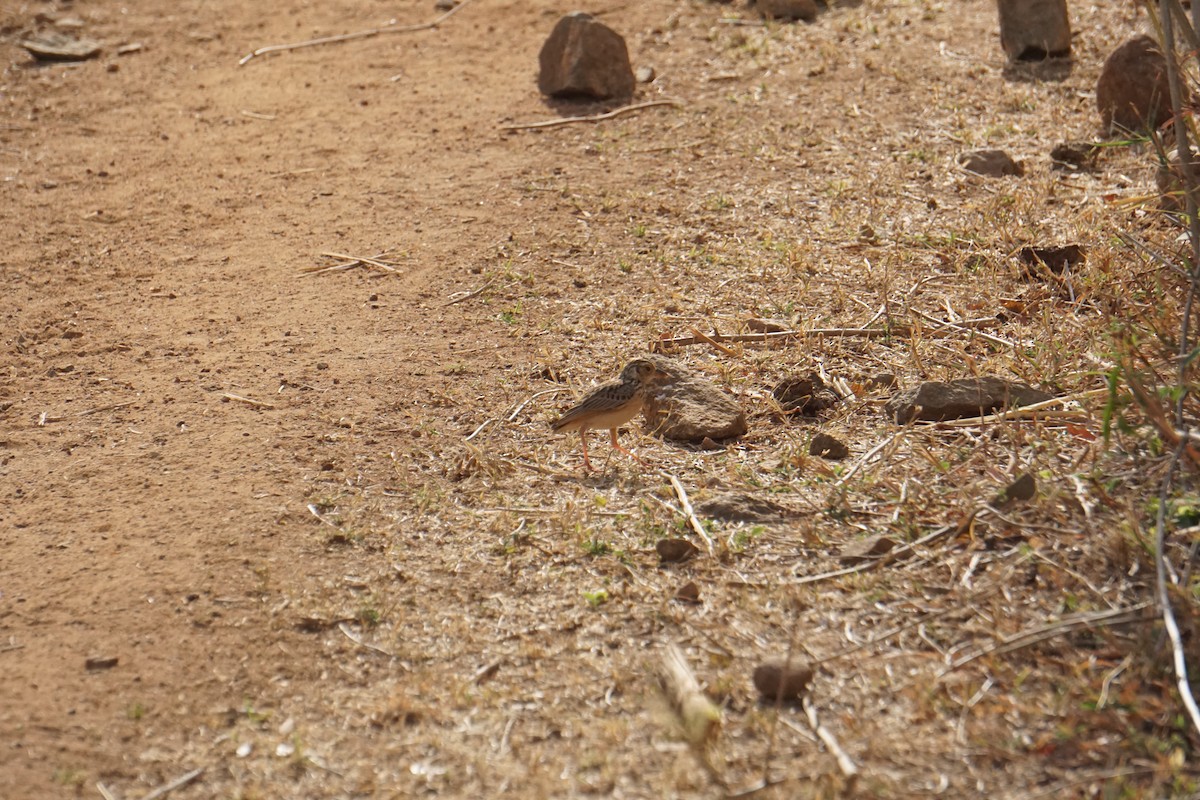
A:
319	521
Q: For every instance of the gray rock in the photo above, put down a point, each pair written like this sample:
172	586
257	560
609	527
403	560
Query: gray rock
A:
871	548
59	47
688	408
966	397
1031	30
585	58
1132	93
788	9
741	507
992	163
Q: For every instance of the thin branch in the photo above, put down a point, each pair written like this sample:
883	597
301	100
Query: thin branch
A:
1178	656
178	783
346	37
948	330
551	123
690	513
1043	633
845	763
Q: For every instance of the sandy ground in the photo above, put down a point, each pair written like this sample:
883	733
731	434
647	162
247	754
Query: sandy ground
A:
209	460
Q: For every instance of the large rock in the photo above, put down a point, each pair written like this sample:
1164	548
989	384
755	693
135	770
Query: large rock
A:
1031	30
1132	93
934	401
688	408
585	58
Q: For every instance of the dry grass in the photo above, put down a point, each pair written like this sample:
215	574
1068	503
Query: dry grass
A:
506	614
1013	655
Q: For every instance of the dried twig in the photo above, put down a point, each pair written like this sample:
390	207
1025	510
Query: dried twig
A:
1027	638
474	293
845	763
105	792
690	513
708	339
948	330
550	123
247	400
900	552
178	783
102	409
358	640
346	37
350	262
513	414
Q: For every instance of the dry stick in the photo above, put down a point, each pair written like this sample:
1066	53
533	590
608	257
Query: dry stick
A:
866	333
1033	410
690	513
844	762
1183	447
105	792
696	332
350	262
478	430
959	328
247	400
1028	638
475	293
868	456
903	550
346	37
181	781
373	260
358	640
550	123
102	409
530	399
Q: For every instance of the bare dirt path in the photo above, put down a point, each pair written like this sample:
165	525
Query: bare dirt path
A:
175	395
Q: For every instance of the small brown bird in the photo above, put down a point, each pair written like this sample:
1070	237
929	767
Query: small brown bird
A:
610	405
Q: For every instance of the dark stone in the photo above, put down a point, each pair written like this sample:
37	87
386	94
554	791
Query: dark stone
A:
990	163
1021	490
674	551
788	9
1075	156
781	682
688	593
808	396
1056	259
738	507
1132	93
1032	30
826	446
585	58
935	401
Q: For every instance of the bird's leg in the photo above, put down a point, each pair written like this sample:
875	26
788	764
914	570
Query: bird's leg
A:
629	453
587	465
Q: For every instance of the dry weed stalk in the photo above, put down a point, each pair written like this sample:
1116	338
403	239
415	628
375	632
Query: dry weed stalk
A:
1174	425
